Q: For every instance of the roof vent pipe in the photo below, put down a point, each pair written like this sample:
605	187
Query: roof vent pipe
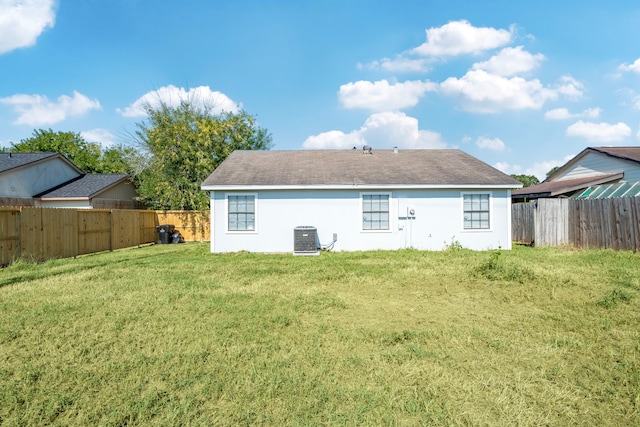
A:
366	149
395	150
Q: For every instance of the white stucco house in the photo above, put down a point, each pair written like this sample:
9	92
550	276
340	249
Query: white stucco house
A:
358	200
51	180
596	172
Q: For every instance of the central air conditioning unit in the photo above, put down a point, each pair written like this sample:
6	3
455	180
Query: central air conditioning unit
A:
305	241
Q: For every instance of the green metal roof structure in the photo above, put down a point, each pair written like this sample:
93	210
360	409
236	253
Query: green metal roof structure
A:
607	191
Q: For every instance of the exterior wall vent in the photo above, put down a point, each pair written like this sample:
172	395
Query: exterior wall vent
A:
305	240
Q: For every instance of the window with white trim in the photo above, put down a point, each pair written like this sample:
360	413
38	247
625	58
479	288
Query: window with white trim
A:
375	211
476	211
241	212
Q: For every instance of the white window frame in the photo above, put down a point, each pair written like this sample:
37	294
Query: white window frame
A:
375	193
255	213
476	230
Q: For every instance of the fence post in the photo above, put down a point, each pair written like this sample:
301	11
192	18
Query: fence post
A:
111	233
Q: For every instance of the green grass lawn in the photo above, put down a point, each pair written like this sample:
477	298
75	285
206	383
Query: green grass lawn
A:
174	335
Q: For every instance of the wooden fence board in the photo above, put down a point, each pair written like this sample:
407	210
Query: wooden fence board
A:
125	229
551	220
147	222
573	223
9	235
32	234
94	231
635	221
64	238
522	223
619	224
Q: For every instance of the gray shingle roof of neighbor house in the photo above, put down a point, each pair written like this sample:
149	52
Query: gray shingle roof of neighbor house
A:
627	153
9	161
86	186
429	167
556	188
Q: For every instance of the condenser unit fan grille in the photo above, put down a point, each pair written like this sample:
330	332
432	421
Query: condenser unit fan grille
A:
305	240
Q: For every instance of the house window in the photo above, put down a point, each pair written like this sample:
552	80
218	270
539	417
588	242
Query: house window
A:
241	213
375	211
476	211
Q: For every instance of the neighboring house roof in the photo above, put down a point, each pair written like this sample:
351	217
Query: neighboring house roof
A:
10	161
626	153
558	184
84	187
631	154
349	168
556	188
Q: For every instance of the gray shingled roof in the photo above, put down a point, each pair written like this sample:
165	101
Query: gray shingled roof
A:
352	167
10	161
555	188
628	153
87	186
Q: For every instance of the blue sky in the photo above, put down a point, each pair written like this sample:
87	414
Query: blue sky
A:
522	85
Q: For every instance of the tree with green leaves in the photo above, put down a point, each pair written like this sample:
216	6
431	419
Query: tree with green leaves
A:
552	171
184	145
85	155
526	180
122	159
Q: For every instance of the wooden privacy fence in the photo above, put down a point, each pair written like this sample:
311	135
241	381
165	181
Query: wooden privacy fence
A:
193	225
44	233
595	223
522	227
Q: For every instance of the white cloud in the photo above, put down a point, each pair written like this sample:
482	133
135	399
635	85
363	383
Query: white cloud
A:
638	134
599	132
22	22
510	61
487	93
334	139
202	97
37	110
570	87
100	136
507	168
564	114
495	144
635	67
558	114
592	113
460	37
400	64
380	130
382	96
538	169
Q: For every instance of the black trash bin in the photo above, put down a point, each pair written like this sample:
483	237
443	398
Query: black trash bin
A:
164	233
176	237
